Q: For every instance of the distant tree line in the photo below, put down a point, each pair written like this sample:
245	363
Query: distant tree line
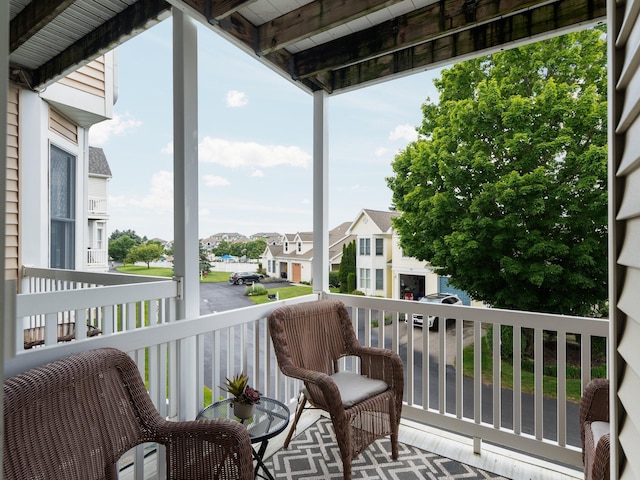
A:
252	249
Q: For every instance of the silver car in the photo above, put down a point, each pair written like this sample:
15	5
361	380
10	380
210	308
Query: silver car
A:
446	298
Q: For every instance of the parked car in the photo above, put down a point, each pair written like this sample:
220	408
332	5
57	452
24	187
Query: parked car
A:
432	321
240	278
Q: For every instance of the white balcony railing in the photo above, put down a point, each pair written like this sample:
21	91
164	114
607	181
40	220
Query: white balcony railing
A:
97	257
227	342
97	206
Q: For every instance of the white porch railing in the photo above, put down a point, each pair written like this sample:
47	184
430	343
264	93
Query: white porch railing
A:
237	340
429	374
97	206
97	256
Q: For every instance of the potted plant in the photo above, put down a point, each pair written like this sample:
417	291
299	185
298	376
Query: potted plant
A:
245	398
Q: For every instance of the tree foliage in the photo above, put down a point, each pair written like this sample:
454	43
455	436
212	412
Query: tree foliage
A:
120	247
347	266
251	249
506	188
203	259
147	253
129	233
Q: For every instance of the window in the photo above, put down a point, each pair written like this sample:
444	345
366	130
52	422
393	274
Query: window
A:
286	247
100	236
379	278
365	278
365	246
62	190
379	246
299	247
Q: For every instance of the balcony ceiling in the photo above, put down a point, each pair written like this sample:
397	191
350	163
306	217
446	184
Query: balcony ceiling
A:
333	45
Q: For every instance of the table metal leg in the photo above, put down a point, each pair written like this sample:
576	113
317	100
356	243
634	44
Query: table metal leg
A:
259	463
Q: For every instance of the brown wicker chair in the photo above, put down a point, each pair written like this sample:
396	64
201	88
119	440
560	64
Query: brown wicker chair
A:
594	429
75	417
309	339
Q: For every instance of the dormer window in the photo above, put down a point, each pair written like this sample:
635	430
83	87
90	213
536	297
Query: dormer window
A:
299	247
286	247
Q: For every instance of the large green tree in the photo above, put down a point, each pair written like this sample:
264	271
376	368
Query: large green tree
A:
147	253
505	190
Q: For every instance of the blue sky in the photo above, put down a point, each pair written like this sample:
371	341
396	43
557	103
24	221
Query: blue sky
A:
255	141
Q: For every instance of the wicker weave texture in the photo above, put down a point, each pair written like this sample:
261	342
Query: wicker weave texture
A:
309	339
75	417
594	406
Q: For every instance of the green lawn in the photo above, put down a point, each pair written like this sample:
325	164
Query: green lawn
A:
143	270
168	272
549	383
283	293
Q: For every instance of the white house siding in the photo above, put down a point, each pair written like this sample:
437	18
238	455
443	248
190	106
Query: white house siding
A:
98	187
12	254
624	200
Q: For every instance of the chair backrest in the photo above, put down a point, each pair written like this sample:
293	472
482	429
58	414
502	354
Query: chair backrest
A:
75	417
311	335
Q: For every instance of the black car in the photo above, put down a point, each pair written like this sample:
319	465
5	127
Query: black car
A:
240	278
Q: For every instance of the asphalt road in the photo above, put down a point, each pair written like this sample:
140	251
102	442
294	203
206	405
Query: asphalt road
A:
224	296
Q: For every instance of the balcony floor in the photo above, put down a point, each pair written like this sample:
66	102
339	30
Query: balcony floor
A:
497	460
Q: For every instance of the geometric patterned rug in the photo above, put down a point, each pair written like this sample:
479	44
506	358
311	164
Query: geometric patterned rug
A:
314	454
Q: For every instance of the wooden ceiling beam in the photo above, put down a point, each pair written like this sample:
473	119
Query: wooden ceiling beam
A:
430	22
532	24
33	18
100	40
219	9
313	18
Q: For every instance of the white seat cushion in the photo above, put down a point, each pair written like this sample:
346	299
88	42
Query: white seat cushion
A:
355	388
598	429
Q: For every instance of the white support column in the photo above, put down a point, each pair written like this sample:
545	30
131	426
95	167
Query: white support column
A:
320	263
185	196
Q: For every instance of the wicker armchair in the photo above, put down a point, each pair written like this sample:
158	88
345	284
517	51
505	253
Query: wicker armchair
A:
594	429
74	418
308	340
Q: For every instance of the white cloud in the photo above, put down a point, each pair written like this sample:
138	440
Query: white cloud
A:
168	149
404	132
101	132
257	173
160	196
215	181
250	154
306	201
381	151
236	99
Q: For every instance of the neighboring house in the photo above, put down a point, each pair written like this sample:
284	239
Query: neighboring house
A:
213	241
292	256
272	238
373	231
97	211
382	268
53	206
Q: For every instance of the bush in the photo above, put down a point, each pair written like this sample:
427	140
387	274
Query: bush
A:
334	279
357	292
255	289
506	340
351	282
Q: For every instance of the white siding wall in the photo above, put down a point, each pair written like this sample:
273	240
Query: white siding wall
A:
624	158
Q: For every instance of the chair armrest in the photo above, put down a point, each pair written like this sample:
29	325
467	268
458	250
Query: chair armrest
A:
322	390
381	364
594	405
207	449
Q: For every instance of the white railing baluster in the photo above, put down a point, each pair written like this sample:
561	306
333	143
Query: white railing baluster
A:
442	364
562	388
458	367
538	358
497	371
517	380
